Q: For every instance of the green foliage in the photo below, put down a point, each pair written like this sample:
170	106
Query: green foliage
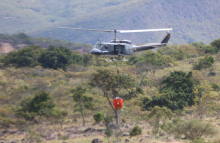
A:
79	97
82	100
155	58
22	38
108	82
198	44
87	59
157	114
51	57
198	140
58	57
194	128
174	51
204	63
33	136
1	57
98	117
24	57
215	87
167	126
177	120
210	49
135	131
216	43
63	138
5	122
176	94
179	54
107	120
109	133
31	107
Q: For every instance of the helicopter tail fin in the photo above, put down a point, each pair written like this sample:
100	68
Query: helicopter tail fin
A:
166	39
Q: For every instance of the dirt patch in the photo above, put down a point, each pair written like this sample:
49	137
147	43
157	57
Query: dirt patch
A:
6	48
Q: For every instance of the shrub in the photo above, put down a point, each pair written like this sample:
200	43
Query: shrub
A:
5	122
198	140
167	126
203	63
108	133
136	131
177	120
194	128
64	138
98	117
107	120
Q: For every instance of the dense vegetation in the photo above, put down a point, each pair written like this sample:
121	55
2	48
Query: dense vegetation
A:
51	57
55	86
22	38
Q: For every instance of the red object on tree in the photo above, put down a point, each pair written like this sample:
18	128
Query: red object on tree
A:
118	102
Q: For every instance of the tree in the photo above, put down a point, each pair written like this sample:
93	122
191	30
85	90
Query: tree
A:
24	57
167	126
107	82
157	114
216	43
58	115
82	100
205	98
143	69
35	106
107	120
87	59
108	133
194	128
54	57
177	92
203	63
98	117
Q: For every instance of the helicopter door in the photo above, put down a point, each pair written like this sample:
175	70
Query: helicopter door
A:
119	49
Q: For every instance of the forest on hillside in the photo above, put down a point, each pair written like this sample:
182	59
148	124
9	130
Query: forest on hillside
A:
192	21
55	94
21	38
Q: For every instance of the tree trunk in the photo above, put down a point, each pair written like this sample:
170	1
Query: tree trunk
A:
142	79
116	117
200	108
82	113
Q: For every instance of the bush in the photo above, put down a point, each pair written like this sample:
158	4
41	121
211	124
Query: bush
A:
108	133
5	122
177	120
198	140
107	120
176	94
136	131
167	126
194	128
98	117
203	63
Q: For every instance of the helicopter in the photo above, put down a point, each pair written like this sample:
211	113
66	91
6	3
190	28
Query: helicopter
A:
120	48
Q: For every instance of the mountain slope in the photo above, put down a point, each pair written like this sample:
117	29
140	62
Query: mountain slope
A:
192	21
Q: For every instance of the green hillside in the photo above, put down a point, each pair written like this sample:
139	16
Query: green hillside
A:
192	21
53	95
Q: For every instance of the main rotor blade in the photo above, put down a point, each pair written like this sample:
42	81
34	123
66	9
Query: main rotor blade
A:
87	29
144	30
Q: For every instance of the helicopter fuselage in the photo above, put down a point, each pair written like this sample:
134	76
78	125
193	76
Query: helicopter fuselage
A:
113	49
117	48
